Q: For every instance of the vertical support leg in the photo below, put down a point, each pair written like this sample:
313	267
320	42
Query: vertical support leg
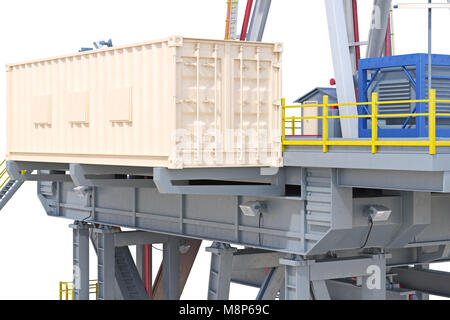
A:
342	63
106	264
171	269
421	295
140	262
297	278
374	284
220	272
80	260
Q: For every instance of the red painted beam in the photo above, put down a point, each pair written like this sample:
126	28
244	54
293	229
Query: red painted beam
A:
356	31
147	271
248	12
388	41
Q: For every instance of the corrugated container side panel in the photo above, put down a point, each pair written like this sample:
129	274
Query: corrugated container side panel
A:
86	74
123	106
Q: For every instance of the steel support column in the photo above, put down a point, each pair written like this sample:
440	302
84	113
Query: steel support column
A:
171	269
80	260
297	278
220	271
301	273
342	63
106	263
259	19
378	28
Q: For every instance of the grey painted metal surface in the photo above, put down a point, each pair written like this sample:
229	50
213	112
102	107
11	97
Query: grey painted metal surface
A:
394	158
429	281
341	290
258	21
164	180
327	214
220	271
127	281
106	264
272	284
300	273
171	269
342	62
348	12
378	28
80	261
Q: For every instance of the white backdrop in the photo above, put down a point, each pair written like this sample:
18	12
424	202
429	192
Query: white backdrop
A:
35	250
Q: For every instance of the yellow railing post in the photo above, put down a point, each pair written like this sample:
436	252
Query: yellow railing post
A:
60	290
432	121
325	123
283	112
293	126
374	122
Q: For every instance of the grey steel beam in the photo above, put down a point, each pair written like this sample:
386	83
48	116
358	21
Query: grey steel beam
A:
378	28
342	268
16	171
320	290
258	21
106	263
297	278
388	158
17	166
164	179
300	273
80	261
340	48
187	260
95	176
220	271
131	238
140	260
348	11
343	290
251	277
395	180
171	269
428	281
255	259
272	284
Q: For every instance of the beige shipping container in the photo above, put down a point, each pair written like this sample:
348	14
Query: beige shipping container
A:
175	103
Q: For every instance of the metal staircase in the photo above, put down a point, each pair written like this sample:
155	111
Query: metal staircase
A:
318	204
128	280
8	187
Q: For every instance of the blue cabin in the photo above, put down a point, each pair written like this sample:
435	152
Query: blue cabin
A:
404	77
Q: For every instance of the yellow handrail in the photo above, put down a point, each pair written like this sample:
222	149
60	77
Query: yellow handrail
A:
66	289
374	142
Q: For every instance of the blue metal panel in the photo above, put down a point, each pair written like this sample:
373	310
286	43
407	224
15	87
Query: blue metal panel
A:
418	62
